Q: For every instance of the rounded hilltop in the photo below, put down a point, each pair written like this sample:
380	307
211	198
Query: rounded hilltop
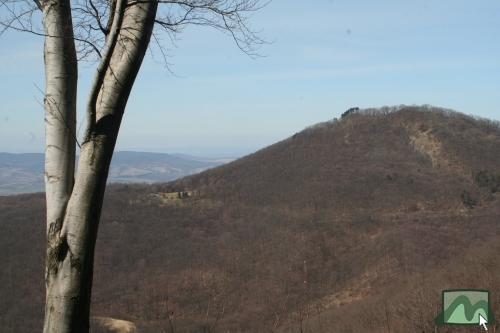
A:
388	158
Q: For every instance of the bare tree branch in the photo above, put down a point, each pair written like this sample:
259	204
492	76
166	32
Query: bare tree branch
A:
228	16
38	4
93	19
97	16
103	67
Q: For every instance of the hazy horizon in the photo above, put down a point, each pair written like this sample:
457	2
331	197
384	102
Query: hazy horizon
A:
211	152
194	153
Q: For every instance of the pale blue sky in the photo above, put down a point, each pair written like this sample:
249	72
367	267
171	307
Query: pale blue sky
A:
325	57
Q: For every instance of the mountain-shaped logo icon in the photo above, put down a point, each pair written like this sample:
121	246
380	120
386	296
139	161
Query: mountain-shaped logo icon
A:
465	307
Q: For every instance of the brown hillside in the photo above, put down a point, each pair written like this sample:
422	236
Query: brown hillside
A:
416	156
353	225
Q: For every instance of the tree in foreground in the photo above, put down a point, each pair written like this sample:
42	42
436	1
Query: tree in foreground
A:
117	33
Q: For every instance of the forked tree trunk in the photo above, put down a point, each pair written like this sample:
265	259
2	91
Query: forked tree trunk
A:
71	255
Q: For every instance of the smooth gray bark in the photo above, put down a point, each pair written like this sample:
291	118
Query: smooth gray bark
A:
70	259
61	74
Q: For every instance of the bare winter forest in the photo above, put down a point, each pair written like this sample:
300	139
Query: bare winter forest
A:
352	225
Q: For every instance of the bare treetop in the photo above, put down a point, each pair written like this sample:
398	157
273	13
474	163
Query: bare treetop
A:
92	21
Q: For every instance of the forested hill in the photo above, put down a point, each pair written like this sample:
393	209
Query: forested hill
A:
416	156
352	225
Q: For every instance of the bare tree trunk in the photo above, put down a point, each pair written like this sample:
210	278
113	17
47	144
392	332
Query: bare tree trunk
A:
71	259
61	75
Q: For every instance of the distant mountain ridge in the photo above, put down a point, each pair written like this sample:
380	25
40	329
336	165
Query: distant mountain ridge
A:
23	173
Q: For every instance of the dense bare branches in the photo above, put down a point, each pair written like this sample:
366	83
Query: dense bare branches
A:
228	16
92	20
19	15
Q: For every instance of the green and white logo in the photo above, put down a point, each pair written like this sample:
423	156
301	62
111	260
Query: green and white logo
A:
466	307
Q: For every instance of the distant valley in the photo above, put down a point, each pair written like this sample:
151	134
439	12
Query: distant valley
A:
23	173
